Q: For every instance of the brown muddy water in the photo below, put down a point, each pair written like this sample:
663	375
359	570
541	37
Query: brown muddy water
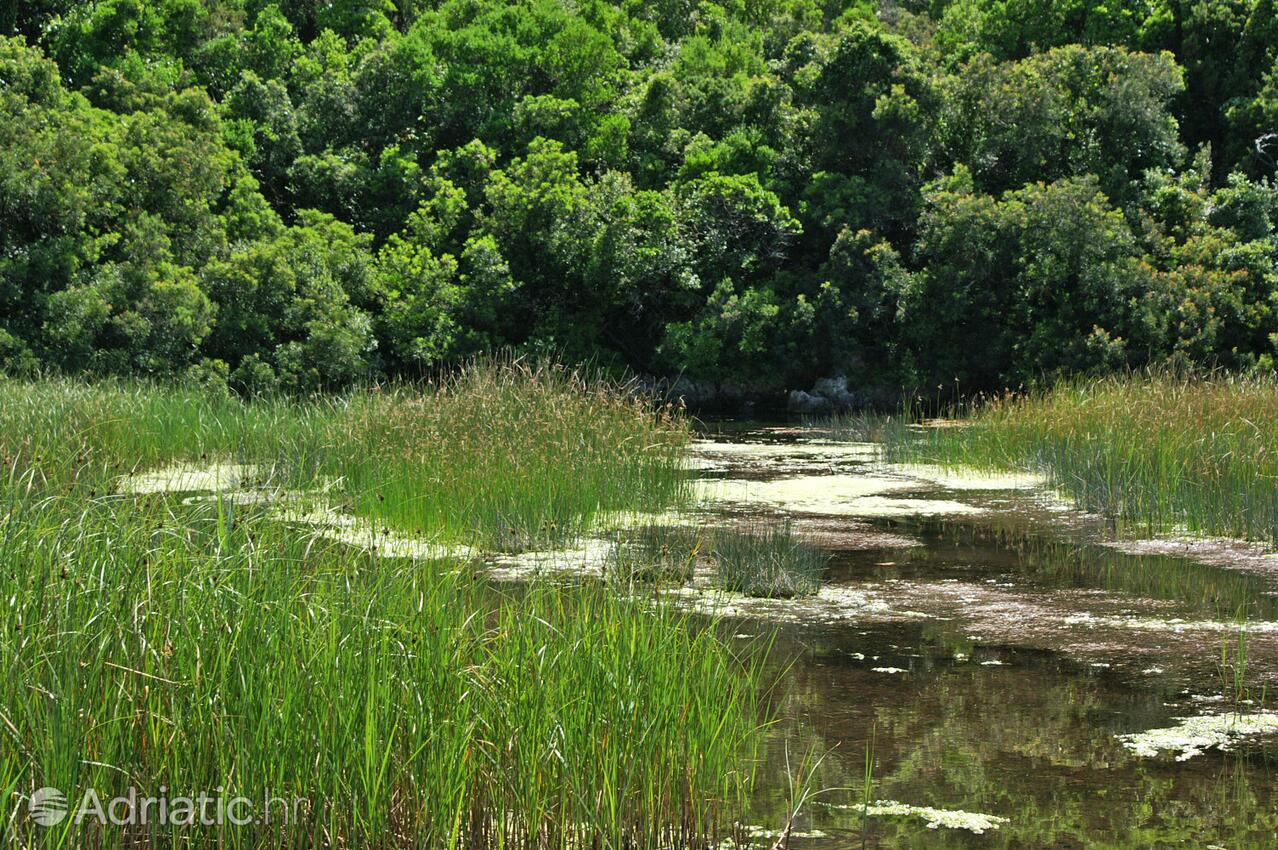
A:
991	655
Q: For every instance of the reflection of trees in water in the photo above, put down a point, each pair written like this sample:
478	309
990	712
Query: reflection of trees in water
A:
1002	542
1031	742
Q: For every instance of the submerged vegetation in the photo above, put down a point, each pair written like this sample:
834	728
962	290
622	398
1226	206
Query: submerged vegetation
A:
148	640
1159	453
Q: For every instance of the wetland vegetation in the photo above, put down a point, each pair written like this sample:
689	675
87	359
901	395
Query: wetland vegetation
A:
769	560
1160	453
207	592
277	519
193	641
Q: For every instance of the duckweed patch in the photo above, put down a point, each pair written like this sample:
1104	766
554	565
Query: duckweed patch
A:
974	822
1193	736
833	495
1170	624
970	478
190	477
829	605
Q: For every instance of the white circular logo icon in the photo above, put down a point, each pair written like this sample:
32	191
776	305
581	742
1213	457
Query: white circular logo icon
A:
48	806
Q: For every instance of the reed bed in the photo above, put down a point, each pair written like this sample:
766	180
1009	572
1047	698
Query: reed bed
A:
657	553
528	455
1159	453
503	454
759	559
151	642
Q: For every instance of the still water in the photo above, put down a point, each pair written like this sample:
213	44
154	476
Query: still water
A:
1010	645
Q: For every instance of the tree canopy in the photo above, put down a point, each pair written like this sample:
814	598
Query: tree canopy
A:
297	195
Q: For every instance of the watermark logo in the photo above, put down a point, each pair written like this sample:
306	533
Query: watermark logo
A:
47	806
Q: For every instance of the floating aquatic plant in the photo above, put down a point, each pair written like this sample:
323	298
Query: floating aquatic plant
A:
190	477
975	822
1192	736
831	604
1170	624
834	495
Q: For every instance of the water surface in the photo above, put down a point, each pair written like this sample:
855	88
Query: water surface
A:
1014	647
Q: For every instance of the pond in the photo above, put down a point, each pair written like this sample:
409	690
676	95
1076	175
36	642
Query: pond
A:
1008	657
1013	672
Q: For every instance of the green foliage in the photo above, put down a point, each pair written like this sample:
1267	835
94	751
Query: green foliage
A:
296	308
1071	111
1041	281
1159	452
408	694
750	193
1014	29
873	106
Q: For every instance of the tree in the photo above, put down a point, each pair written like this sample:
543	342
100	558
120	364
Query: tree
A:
142	313
736	228
266	113
1038	283
295	311
1015	29
872	104
1071	111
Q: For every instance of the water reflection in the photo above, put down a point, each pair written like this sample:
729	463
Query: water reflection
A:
1032	741
1010	704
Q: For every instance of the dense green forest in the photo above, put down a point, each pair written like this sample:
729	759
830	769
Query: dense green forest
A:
302	194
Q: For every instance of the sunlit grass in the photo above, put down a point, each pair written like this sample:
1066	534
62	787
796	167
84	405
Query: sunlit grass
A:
146	641
524	454
1159	453
767	560
658	553
759	559
504	454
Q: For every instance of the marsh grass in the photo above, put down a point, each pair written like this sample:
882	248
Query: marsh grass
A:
659	553
1232	668
1158	453
146	641
502	454
867	785
529	455
766	559
863	426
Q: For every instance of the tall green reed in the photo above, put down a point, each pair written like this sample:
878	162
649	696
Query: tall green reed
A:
504	453
150	641
1158	452
766	559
